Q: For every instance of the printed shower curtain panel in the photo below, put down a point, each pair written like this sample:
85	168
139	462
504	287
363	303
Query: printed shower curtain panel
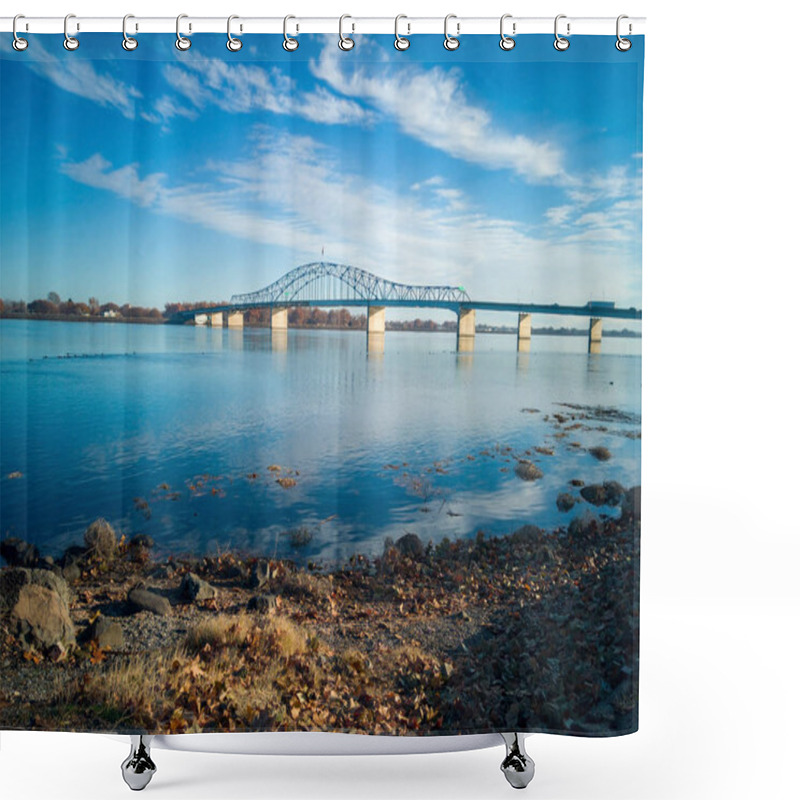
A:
320	385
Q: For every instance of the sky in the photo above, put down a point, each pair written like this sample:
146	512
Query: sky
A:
155	176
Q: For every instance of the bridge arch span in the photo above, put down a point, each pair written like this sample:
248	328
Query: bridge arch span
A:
338	283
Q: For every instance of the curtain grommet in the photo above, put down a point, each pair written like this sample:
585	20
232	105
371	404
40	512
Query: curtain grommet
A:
70	42
18	43
561	44
233	44
345	42
451	42
507	42
181	42
128	42
290	44
401	43
622	44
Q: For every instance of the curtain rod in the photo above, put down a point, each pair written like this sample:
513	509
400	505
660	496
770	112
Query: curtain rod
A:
407	25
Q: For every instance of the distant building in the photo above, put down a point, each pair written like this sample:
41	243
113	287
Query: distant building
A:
111	313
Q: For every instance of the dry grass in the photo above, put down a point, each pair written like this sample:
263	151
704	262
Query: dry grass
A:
223	630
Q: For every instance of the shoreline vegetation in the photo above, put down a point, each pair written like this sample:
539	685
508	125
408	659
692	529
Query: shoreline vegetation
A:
54	310
534	630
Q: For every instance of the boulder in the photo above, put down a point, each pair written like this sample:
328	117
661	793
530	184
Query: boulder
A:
410	545
101	540
13	580
142	599
265	603
18	553
41	618
195	589
71	573
143	540
75	554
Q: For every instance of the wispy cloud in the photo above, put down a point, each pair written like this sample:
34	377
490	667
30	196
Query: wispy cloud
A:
80	77
244	88
434	106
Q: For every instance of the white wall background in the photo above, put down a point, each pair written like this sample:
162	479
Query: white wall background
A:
720	702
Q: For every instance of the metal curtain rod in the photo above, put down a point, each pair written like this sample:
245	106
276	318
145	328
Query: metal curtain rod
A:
458	25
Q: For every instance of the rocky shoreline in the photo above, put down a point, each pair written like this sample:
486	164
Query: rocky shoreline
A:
535	630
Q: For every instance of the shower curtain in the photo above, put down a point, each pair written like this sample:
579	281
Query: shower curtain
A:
320	383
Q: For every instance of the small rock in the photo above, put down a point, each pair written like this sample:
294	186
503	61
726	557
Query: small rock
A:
527	534
565	501
71	573
106	633
577	482
49	562
42	618
267	603
410	545
609	493
632	504
55	652
195	589
19	553
142	599
163	572
527	471
582	526
101	540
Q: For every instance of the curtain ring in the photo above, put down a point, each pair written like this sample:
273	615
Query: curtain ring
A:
507	42
623	44
451	42
70	42
181	42
289	44
19	43
561	43
401	42
345	42
128	43
233	44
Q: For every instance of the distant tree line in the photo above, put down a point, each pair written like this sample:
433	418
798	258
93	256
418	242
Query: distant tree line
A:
55	308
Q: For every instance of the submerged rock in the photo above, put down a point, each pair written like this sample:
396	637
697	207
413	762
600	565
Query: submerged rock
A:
195	589
18	553
565	501
142	599
600	453
101	540
527	471
609	493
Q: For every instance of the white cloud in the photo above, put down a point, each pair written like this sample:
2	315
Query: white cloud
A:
244	88
80	77
433	106
558	215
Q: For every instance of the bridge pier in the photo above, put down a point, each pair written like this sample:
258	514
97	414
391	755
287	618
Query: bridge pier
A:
524	333
216	319
279	319
376	329
466	330
595	334
201	319
236	319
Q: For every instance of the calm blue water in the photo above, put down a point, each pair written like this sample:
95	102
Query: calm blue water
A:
171	431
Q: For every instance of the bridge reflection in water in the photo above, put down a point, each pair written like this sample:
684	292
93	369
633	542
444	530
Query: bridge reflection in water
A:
324	284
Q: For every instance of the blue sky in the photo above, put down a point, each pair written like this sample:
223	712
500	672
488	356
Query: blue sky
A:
154	176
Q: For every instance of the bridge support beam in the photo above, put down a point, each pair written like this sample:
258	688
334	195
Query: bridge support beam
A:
236	319
376	329
524	333
201	319
595	334
466	330
216	319
279	319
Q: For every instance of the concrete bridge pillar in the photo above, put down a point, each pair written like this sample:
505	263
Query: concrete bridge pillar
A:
216	319
236	319
279	319
524	333
595	334
466	330
376	329
201	319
